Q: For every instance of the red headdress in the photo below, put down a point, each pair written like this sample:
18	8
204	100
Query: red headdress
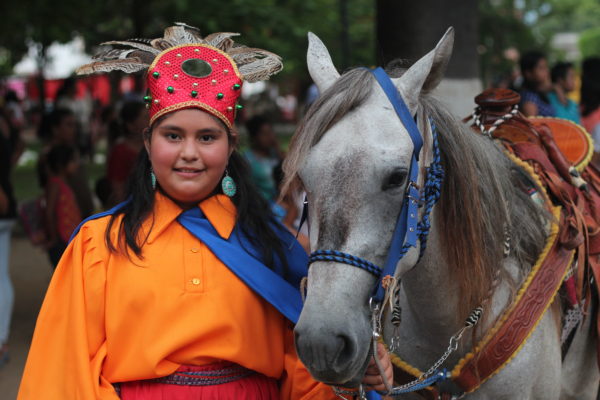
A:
188	71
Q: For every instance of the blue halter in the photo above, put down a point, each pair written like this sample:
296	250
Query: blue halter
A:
408	229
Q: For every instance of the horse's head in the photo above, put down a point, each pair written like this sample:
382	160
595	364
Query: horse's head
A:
353	156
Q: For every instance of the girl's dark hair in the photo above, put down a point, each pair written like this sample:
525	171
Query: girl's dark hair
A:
254	215
590	85
560	71
59	156
528	62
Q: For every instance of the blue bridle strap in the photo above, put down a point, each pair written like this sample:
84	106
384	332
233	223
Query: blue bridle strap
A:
404	114
408	229
405	233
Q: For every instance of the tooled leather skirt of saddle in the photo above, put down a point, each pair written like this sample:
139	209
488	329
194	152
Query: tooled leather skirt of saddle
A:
559	153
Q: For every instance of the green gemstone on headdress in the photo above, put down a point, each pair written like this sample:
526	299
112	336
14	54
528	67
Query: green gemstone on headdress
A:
220	96
196	67
170	89
239	106
156	74
147	99
194	93
237	86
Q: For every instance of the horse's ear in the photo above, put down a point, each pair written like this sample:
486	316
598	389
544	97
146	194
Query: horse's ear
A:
321	68
427	73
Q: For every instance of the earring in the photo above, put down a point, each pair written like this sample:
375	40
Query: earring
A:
228	185
152	179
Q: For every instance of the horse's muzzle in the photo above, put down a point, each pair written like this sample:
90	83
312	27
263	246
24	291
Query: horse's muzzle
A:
331	358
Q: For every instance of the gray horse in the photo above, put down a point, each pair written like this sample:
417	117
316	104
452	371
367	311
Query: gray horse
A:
351	155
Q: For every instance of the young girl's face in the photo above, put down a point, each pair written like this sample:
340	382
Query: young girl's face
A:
540	74
189	151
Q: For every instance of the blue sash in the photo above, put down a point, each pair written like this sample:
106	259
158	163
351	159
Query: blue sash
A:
280	288
243	259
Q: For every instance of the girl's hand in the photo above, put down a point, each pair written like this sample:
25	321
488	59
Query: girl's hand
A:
373	378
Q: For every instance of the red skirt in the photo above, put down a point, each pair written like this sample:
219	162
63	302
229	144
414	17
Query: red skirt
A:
219	381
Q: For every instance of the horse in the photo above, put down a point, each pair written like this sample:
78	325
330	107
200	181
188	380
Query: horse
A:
351	154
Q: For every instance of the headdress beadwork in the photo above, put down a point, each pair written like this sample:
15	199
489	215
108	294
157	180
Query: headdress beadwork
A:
188	71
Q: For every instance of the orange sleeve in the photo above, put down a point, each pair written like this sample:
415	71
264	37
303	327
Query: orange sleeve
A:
297	383
69	344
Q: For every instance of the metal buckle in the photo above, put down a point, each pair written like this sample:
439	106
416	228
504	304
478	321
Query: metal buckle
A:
408	195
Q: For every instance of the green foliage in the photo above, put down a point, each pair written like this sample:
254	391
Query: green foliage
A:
278	25
567	16
531	24
589	43
502	26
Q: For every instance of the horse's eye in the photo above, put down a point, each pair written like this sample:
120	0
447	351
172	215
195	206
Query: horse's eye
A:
394	180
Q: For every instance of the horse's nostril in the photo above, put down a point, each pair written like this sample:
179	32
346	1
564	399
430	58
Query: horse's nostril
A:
346	351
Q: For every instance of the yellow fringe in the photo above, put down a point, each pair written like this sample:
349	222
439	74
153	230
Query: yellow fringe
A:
549	242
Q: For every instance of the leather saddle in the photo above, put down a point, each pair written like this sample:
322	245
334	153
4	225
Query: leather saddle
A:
559	152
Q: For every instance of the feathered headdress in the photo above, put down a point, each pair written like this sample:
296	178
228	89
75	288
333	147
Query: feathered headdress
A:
187	71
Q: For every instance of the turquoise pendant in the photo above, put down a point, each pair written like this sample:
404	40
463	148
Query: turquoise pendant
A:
228	186
153	179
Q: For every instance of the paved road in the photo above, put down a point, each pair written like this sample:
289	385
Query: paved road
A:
31	273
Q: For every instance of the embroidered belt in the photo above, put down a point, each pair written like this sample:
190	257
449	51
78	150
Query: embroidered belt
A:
208	377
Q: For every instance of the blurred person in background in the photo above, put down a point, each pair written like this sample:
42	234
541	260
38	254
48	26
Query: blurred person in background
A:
536	85
66	98
14	110
123	154
62	213
563	82
590	93
590	102
263	155
109	119
60	128
11	148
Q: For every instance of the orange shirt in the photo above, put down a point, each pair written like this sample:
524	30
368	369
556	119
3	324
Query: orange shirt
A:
109	319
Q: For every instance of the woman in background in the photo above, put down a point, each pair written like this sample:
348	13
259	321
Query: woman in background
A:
536	85
62	212
11	148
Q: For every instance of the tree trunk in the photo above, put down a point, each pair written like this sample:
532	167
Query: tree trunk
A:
41	80
410	29
344	35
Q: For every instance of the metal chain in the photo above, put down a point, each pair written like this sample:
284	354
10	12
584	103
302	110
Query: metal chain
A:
433	375
342	393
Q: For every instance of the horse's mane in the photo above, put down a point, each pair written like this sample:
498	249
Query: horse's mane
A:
480	196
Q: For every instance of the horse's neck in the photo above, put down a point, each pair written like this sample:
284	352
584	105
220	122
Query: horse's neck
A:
429	292
430	296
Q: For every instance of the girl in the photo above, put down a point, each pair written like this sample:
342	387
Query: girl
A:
536	85
62	214
190	288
